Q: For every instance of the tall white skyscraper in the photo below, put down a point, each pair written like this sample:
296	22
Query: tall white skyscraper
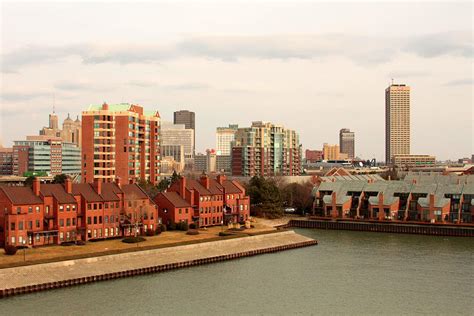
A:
397	121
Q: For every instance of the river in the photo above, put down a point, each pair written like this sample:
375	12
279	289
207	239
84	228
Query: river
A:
354	273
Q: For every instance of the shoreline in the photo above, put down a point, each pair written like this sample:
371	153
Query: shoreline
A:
40	277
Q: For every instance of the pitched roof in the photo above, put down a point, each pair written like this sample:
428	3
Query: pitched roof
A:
21	195
87	191
175	199
439	201
193	184
109	192
230	187
58	192
133	191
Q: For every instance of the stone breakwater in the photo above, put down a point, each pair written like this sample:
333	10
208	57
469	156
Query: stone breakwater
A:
40	277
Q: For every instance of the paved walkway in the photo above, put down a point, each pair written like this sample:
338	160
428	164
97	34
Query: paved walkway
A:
66	270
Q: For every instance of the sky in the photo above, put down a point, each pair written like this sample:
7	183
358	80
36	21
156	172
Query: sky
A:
312	66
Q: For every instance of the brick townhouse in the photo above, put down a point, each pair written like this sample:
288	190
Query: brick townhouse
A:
57	213
206	201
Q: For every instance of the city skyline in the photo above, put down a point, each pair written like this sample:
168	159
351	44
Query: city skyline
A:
294	74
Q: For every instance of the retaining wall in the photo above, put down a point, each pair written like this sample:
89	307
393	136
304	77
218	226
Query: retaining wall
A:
399	228
256	244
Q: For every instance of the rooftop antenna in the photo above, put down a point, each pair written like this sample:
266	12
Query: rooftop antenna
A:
392	81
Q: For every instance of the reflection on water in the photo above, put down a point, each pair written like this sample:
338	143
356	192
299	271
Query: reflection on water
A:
347	273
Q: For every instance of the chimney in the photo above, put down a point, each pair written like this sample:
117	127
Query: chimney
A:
117	182
36	186
97	186
220	179
105	107
205	181
131	181
68	185
333	196
182	186
381	198
413	181
432	200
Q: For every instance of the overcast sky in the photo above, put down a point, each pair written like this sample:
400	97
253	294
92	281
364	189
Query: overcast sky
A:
314	67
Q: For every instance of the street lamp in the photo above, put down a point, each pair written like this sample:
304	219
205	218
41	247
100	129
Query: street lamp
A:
24	249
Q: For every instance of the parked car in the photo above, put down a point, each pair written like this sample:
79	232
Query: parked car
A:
290	210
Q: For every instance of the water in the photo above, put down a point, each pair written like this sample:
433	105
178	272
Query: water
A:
352	273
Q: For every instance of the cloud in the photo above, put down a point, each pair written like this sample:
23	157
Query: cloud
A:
76	86
142	83
460	82
408	74
188	86
458	43
22	96
360	49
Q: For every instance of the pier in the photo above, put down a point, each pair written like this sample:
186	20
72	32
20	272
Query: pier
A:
40	277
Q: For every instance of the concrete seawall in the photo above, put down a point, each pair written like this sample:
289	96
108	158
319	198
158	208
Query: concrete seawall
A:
388	227
40	277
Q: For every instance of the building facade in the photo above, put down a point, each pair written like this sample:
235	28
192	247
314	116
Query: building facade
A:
206	202
58	213
120	140
313	156
224	138
70	132
177	134
6	161
266	149
332	152
416	198
188	119
410	161
347	142
397	121
46	155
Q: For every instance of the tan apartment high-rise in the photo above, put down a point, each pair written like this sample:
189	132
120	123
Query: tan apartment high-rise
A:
397	121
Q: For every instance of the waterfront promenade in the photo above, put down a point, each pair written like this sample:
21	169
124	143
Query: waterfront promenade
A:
38	277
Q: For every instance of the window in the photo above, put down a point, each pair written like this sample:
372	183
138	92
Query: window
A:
106	219
37	209
68	208
61	236
13	240
179	211
106	205
68	222
30	209
20	225
106	232
100	219
89	221
61	222
88	206
37	223
30	225
61	208
95	219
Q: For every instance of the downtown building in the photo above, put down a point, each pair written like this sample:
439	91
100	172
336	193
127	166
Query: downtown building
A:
347	143
179	135
45	155
58	213
265	149
70	132
397	121
120	141
188	119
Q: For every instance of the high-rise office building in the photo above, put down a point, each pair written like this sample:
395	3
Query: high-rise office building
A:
46	155
224	137
189	120
120	141
266	149
332	152
177	134
347	142
397	121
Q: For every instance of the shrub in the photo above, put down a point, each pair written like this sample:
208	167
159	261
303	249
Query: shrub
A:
192	226
150	232
163	228
171	226
222	234
192	232
10	250
67	243
80	243
133	240
182	226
